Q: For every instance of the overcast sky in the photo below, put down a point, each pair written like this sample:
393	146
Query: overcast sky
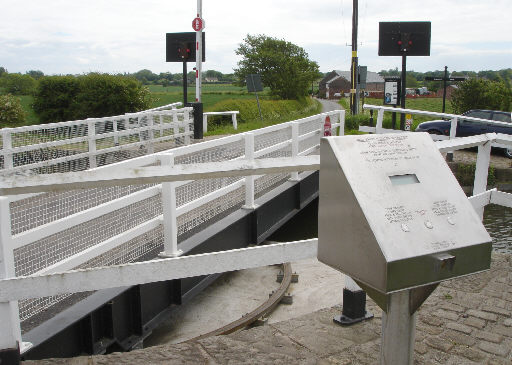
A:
74	36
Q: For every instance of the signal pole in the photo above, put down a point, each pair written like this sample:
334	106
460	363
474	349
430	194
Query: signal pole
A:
353	70
199	51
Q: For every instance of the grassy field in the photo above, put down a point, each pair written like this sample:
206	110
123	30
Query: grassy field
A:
216	97
211	94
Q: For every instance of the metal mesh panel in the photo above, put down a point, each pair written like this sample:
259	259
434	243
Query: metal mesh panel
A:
40	254
212	211
272	138
77	146
45	208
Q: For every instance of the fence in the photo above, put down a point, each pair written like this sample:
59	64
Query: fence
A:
117	223
83	144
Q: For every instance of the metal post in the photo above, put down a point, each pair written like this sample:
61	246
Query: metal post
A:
10	335
198	120
185	83
199	51
444	86
169	213
151	134
453	134
353	70
403	91
91	132
249	180
354	304
380	118
294	176
481	171
186	121
341	129
7	147
397	341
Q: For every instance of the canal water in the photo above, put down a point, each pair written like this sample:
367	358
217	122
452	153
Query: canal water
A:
498	221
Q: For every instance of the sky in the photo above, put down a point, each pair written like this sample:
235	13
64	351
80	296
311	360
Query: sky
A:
75	36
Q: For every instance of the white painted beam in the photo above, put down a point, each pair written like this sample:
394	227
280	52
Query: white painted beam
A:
154	174
156	270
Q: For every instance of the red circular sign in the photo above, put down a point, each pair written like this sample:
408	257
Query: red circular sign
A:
197	24
327	127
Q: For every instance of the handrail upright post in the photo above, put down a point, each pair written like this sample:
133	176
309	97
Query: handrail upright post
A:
453	134
294	176
249	180
151	133
175	128
483	160
380	119
7	147
233	118
205	122
91	133
186	117
341	128
170	218
114	129
10	336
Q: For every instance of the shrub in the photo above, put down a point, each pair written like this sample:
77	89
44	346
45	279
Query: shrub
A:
61	98
11	111
481	94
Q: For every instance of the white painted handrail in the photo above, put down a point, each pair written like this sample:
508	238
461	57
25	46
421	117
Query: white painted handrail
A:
233	118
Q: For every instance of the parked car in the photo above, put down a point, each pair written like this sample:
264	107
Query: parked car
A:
470	127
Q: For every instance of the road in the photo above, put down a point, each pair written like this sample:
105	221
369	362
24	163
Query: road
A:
329	105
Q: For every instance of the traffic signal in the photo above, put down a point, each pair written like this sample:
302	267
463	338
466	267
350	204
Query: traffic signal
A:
184	50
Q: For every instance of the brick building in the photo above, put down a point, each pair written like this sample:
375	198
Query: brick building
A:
336	83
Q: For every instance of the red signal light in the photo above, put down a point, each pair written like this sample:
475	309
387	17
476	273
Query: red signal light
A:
399	43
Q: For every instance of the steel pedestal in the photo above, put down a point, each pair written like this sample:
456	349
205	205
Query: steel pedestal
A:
397	342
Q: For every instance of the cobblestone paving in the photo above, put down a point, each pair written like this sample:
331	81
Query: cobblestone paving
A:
465	321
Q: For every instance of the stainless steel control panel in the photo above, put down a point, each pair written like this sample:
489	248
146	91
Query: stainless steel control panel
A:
393	216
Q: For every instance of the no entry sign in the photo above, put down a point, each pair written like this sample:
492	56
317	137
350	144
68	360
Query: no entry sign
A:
327	126
197	24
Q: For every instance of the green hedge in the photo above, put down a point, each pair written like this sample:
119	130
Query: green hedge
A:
63	98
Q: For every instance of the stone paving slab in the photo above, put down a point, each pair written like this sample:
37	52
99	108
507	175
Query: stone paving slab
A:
465	321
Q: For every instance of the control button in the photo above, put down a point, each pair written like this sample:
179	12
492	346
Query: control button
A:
428	224
451	221
405	227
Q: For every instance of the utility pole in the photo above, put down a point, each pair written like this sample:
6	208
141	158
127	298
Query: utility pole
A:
353	70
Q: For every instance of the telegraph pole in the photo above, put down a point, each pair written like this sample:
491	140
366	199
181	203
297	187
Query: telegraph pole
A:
353	70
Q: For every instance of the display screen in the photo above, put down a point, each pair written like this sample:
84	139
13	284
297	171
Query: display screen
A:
404	179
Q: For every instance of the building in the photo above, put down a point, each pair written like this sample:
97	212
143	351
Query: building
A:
336	83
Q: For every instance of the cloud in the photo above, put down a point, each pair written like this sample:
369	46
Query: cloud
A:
77	36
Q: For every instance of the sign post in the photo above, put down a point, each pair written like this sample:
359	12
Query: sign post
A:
254	85
444	80
404	39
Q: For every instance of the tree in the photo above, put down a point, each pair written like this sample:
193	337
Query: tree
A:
3	70
62	98
481	94
17	84
411	81
145	76
36	74
284	67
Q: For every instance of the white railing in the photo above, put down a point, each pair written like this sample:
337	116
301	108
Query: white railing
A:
454	121
83	144
63	277
233	118
121	220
